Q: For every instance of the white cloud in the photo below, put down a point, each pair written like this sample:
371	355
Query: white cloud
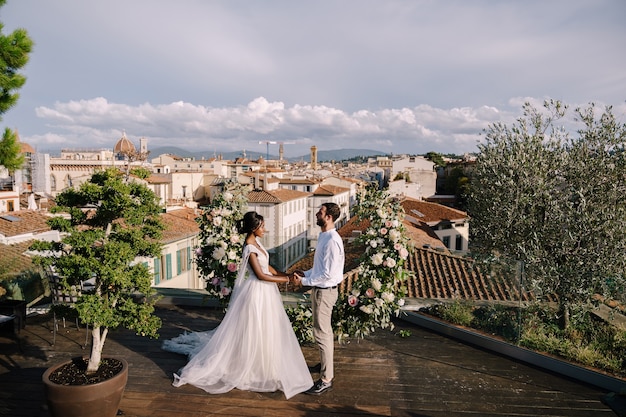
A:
417	130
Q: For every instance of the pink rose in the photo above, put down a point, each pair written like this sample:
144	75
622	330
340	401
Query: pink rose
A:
232	267
370	293
383	231
388	224
353	301
225	291
215	281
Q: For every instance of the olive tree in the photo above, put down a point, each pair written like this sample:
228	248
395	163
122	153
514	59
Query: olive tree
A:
555	200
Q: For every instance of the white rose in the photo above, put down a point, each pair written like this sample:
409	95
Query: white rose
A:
391	262
373	243
377	259
401	302
379	302
218	253
376	284
367	309
217	221
394	235
228	196
232	254
388	296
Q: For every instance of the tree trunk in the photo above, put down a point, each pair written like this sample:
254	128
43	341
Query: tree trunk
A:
564	316
97	344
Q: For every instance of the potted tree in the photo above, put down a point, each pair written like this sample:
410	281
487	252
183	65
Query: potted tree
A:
109	223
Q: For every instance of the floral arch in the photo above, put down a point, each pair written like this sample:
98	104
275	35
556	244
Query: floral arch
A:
373	297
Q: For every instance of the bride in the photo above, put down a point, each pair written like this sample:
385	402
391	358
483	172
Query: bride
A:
254	348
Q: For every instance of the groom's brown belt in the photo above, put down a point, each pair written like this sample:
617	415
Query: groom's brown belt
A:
326	288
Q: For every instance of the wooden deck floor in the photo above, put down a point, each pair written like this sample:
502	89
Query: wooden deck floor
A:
425	374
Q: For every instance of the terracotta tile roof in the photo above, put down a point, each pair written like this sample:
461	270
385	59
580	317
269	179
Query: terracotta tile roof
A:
275	196
179	224
431	212
423	236
13	260
159	179
262	196
326	189
438	275
22	222
287	195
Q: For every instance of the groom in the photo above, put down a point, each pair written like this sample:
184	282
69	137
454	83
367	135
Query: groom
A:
324	277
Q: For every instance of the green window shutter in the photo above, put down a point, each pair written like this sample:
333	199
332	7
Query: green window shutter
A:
157	270
168	266
179	262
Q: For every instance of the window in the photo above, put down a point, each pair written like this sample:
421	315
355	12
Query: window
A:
459	242
446	241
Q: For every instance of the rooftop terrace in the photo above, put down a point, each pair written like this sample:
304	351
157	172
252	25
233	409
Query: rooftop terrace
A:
425	374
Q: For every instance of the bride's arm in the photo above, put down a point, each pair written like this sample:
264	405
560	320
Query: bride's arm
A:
276	272
256	267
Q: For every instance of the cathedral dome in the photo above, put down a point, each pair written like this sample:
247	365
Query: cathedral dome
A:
24	147
124	145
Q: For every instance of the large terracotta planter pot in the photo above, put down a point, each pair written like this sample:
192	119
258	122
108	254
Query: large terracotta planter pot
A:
94	400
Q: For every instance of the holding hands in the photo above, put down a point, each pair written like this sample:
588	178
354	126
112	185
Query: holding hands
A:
295	279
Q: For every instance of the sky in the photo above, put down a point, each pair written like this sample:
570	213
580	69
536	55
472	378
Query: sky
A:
395	76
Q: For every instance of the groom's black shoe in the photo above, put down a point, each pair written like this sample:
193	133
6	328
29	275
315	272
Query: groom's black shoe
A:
319	387
316	368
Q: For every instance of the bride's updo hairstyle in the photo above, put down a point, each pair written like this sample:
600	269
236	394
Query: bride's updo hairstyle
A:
250	222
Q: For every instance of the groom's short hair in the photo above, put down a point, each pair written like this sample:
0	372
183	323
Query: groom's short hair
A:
333	210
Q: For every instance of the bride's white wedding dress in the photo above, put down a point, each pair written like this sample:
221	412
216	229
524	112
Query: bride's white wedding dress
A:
254	348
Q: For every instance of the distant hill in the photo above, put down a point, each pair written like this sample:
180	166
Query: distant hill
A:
322	156
198	155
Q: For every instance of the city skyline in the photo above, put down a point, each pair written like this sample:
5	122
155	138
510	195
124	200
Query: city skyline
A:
396	76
